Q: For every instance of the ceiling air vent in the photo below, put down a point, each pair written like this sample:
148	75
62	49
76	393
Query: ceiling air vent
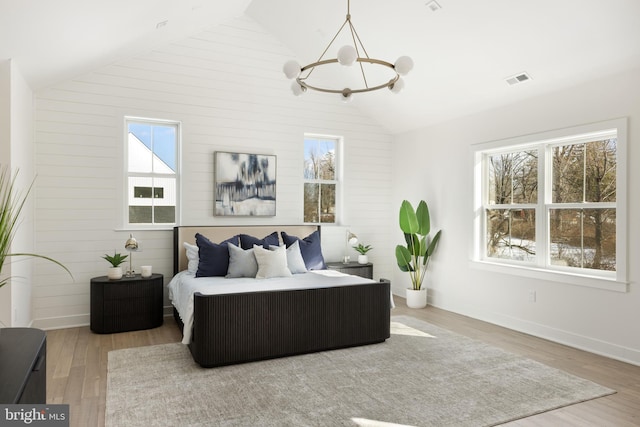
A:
433	5
518	78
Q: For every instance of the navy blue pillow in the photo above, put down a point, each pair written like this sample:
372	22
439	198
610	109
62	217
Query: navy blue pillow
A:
309	248
247	242
214	258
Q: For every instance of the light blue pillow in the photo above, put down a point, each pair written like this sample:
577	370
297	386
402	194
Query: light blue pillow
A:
295	262
242	262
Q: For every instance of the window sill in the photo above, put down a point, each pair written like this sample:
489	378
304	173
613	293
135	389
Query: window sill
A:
553	276
142	228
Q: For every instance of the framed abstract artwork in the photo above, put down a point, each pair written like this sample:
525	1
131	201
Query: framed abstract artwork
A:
245	184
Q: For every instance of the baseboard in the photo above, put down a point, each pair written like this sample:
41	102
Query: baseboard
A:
570	339
61	322
76	321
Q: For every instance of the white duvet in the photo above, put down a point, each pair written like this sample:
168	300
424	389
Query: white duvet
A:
184	284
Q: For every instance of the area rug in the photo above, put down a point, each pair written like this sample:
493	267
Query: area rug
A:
421	376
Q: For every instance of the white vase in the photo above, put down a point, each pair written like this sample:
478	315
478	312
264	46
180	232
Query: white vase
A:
114	273
416	299
363	259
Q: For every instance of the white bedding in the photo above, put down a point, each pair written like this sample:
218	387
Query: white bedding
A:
184	284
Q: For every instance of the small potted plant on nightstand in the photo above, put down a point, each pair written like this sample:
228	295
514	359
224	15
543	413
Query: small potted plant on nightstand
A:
362	250
115	271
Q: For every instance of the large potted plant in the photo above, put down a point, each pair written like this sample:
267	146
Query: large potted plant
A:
414	256
11	205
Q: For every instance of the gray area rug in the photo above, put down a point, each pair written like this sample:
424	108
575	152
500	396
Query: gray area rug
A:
422	376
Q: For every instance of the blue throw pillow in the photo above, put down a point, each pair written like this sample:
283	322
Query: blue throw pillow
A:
247	242
214	258
309	248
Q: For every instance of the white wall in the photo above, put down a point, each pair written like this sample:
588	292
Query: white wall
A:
5	153
16	153
22	159
227	89
601	321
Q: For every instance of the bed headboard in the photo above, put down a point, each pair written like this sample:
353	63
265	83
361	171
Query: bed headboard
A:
219	233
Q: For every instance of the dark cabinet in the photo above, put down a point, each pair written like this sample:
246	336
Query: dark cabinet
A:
357	269
23	366
128	304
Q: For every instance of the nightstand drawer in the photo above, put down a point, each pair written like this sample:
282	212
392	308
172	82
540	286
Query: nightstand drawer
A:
354	268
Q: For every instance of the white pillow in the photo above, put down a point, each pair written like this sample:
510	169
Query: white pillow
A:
193	257
295	262
242	263
271	263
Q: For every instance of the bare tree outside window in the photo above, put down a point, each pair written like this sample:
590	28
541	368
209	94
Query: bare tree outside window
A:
320	180
580	214
513	187
584	174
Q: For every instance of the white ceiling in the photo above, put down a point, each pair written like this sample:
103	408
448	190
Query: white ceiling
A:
462	52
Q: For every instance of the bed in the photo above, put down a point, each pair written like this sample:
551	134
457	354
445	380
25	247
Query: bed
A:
280	320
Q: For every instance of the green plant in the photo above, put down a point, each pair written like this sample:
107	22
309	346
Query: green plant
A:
11	205
362	249
414	257
116	259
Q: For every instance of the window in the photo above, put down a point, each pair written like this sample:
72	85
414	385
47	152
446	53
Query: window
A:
152	172
554	201
321	180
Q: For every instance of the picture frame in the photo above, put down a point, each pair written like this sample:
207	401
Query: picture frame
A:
244	184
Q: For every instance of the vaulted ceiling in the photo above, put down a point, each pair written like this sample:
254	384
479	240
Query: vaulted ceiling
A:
463	52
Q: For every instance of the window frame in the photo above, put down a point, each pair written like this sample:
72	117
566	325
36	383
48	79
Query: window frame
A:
127	174
542	268
338	181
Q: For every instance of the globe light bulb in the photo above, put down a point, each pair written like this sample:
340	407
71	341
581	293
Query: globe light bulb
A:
403	65
347	55
291	69
297	89
397	86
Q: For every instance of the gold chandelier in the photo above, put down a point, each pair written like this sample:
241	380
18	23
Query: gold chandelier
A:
347	56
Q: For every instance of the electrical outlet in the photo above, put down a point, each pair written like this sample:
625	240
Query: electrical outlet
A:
532	295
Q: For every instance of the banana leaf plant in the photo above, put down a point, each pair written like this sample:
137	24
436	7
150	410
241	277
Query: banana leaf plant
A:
414	257
11	205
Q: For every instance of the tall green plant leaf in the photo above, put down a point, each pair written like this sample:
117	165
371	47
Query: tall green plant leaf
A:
408	218
403	257
422	249
434	243
424	221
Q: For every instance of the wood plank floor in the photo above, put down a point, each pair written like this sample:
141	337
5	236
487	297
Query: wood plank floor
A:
77	369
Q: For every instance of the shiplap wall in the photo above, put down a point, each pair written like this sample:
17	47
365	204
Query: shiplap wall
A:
226	87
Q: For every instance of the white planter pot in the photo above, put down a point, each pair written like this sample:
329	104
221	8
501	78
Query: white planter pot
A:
417	299
114	273
363	259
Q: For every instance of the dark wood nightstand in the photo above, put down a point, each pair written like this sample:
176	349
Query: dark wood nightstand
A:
362	270
128	304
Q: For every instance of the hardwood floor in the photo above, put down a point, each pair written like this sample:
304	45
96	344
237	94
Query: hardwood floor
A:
77	369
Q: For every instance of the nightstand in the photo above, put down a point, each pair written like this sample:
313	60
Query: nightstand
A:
355	268
128	304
